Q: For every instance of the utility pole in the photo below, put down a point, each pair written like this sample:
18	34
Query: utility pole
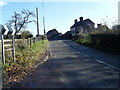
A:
44	26
43	18
37	22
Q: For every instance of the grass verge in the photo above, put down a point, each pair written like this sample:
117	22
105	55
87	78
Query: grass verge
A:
26	59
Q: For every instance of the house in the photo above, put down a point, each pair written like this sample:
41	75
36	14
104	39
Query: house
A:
67	35
101	28
82	26
53	34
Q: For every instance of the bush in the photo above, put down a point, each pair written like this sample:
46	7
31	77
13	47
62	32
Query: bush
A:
106	42
21	44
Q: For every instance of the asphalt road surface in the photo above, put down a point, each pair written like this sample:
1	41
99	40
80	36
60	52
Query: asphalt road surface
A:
75	66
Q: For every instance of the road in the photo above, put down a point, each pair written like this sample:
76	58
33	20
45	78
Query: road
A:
75	66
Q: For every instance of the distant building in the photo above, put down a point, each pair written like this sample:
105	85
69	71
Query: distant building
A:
82	26
101	28
53	34
67	35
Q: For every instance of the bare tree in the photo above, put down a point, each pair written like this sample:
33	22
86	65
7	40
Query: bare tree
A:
20	20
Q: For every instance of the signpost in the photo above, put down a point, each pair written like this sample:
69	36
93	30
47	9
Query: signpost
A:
7	30
2	30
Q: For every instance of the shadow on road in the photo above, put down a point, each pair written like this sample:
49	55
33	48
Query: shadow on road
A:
71	72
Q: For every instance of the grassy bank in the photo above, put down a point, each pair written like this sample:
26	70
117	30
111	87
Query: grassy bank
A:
105	42
26	59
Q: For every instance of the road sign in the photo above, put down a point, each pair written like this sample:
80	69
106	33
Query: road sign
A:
10	30
13	31
7	30
2	29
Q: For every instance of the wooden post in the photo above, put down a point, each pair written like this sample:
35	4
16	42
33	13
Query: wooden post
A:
30	42
0	63
37	21
3	53
13	48
27	41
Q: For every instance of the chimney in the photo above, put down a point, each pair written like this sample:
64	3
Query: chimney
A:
75	21
98	25
81	18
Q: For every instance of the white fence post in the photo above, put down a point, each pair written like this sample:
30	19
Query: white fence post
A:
13	48
5	30
0	63
13	44
3	54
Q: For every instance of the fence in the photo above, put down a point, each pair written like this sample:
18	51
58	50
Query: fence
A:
18	43
0	48
21	43
9	49
10	45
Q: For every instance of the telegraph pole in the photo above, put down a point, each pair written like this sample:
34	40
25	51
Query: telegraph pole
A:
43	18
37	22
44	26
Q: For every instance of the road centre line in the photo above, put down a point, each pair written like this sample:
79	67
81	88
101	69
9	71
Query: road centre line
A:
108	64
51	54
48	47
71	48
96	59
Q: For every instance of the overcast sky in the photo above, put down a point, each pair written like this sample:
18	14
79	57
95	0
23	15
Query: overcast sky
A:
61	15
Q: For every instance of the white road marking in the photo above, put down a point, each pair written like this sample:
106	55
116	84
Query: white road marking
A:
70	47
51	54
45	58
108	64
41	62
76	50
96	59
48	47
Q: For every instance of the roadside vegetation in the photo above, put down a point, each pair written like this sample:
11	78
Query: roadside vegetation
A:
107	41
27	54
26	59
